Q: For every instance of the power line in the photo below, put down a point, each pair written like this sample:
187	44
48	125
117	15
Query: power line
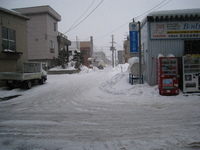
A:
81	16
137	17
85	17
152	9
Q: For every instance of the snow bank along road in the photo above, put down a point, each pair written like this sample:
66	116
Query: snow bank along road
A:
97	111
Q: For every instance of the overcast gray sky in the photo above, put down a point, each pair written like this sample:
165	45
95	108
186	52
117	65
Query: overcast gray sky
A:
109	17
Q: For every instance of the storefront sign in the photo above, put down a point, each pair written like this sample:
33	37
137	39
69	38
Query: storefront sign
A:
133	41
175	30
133	33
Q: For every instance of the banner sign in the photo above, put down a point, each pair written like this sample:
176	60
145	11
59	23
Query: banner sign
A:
133	41
175	30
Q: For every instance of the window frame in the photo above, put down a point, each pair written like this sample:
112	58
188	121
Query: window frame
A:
55	26
8	39
52	46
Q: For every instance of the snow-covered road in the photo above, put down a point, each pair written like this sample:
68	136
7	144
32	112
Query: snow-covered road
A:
95	111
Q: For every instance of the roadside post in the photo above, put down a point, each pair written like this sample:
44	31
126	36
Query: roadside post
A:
135	44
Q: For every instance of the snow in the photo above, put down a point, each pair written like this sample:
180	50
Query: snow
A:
7	50
97	110
133	60
160	55
169	55
69	66
60	68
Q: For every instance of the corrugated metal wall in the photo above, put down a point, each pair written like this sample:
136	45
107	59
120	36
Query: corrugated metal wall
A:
155	47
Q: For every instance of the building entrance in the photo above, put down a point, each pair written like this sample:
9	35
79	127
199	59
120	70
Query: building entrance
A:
191	47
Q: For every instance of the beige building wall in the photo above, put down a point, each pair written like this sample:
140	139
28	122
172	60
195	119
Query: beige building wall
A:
12	61
42	30
126	52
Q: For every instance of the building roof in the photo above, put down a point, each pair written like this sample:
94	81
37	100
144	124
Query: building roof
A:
14	13
178	12
39	10
85	44
174	15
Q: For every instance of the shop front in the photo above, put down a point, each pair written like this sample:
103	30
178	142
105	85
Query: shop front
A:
175	32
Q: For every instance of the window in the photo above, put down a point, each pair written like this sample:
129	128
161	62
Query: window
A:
84	52
192	46
55	26
8	39
52	46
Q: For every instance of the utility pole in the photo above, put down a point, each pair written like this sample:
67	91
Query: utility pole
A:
112	48
91	44
77	45
140	55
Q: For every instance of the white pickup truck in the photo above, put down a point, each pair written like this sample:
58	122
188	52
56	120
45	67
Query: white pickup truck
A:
32	71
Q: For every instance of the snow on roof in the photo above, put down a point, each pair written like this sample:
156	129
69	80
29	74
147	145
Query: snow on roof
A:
12	12
178	12
173	15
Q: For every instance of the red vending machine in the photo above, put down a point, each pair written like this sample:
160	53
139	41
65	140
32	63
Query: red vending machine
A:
168	79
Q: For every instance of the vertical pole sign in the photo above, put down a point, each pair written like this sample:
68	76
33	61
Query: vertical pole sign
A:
133	33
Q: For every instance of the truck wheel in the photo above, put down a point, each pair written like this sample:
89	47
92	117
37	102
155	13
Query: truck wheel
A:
28	84
41	81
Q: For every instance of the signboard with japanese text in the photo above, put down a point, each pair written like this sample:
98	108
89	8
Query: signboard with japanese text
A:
133	41
133	34
175	30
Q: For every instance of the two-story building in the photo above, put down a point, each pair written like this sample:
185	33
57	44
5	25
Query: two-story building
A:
13	40
42	33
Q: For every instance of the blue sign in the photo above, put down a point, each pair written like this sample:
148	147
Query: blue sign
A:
133	41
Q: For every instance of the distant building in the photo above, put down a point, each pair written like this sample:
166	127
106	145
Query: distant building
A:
13	40
42	33
99	57
126	52
120	57
86	50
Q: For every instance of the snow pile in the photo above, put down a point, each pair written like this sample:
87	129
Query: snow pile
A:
160	55
59	68
85	69
4	92
119	85
169	55
133	60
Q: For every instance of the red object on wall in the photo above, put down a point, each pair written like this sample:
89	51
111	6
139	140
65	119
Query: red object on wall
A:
168	78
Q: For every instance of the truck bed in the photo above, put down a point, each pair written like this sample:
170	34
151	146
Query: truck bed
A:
20	76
